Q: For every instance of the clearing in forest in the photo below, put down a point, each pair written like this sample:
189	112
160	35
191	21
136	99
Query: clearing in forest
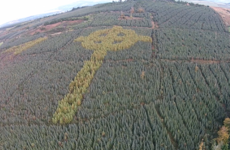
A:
46	28
224	13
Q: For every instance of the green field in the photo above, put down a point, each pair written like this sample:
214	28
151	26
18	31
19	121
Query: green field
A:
116	82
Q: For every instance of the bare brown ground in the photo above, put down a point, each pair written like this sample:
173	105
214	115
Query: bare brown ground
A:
154	25
46	28
153	47
8	59
224	13
51	26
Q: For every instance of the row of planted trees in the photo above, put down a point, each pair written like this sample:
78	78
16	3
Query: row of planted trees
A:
184	17
190	43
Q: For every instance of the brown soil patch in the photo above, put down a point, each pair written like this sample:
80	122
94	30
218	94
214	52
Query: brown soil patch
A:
49	27
153	25
46	28
7	59
224	13
153	47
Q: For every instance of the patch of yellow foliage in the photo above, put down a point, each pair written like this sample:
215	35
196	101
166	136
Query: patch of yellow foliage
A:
142	75
201	145
227	123
100	42
23	47
223	133
196	68
113	39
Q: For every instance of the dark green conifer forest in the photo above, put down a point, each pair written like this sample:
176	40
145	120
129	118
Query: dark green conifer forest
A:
167	87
